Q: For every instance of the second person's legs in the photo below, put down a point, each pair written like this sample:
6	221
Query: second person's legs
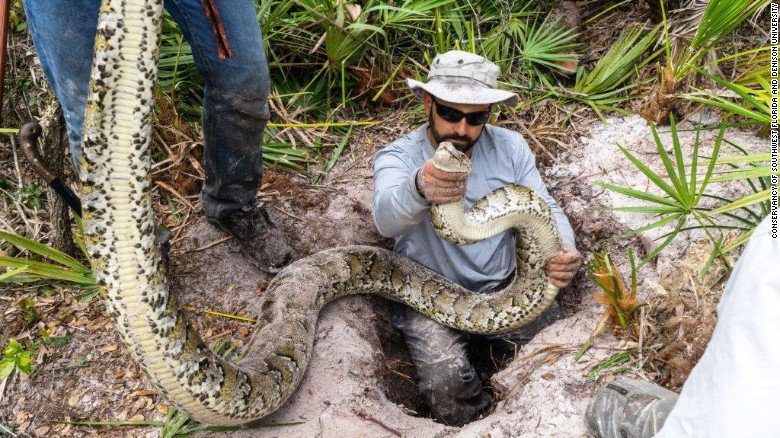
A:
235	113
64	35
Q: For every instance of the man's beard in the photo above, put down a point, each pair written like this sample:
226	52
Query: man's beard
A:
461	143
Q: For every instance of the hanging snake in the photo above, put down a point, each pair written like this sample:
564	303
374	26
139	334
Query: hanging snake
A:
119	232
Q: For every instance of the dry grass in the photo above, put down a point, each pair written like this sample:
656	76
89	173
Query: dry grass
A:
550	127
526	366
680	320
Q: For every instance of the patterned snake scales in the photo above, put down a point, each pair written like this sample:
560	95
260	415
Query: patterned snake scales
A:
119	226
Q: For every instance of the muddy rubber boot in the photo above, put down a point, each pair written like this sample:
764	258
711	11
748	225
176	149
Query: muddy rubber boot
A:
452	390
258	237
629	409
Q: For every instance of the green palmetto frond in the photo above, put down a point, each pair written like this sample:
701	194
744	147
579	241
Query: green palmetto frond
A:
283	154
680	196
748	210
750	99
619	63
411	14
720	18
605	85
753	64
289	33
56	266
545	44
177	75
686	184
502	43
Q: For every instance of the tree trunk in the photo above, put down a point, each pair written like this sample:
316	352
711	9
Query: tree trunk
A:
54	144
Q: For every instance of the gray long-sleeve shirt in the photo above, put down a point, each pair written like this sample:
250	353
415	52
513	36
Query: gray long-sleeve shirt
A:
500	157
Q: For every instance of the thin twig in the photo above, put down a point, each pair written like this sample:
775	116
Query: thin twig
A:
20	182
642	320
175	194
178	230
221	314
288	213
209	245
533	361
587	175
405	376
538	143
365	416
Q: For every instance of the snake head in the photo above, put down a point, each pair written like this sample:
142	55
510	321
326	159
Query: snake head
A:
449	159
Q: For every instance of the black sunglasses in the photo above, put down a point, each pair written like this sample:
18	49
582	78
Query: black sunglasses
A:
452	115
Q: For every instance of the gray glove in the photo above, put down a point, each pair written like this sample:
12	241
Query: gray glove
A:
438	186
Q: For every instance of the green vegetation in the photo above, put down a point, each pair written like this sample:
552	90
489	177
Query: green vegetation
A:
620	300
15	357
681	197
328	57
688	47
334	64
55	265
607	84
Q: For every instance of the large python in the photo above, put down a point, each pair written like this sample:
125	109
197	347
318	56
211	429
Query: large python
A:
119	228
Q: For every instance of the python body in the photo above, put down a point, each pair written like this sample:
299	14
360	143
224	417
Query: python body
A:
119	227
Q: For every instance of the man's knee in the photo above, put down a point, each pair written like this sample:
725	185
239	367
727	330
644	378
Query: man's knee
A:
427	340
448	382
452	389
247	86
454	377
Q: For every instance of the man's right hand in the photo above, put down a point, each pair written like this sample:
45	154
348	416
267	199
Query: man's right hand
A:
438	186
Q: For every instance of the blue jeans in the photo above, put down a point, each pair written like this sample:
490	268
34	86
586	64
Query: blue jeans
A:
235	103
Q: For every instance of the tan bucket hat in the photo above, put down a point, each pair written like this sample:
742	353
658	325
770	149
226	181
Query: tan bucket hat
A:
463	77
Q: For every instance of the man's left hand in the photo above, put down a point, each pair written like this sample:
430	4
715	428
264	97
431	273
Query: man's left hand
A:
563	267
